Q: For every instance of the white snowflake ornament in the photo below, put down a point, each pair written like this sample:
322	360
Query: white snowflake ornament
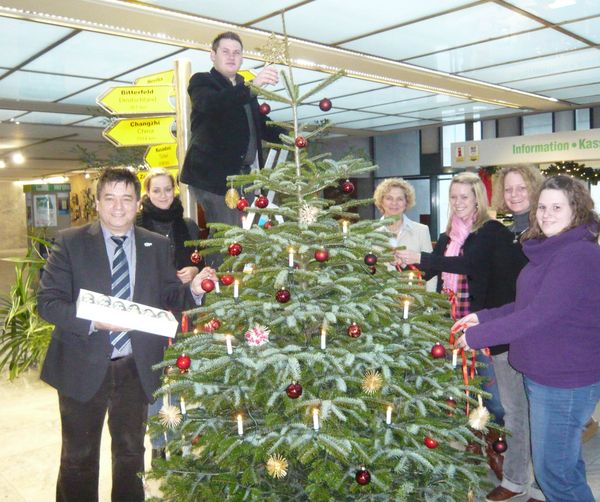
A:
257	336
308	214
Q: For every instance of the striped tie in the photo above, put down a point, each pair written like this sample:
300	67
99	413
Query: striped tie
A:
120	287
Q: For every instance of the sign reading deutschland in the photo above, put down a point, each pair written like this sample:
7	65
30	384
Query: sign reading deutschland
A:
142	131
138	99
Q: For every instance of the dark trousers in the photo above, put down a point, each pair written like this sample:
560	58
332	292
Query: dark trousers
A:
122	396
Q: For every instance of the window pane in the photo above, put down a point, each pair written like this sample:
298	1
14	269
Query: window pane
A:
451	134
537	124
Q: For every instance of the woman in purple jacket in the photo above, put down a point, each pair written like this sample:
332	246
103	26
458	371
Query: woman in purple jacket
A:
553	328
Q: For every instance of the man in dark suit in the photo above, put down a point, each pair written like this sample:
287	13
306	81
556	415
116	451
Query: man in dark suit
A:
227	128
96	366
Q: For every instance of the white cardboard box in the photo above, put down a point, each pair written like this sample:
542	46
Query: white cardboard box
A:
103	308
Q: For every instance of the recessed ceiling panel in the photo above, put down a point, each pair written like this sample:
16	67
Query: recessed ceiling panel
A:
98	55
463	111
540	84
444	32
560	63
527	45
51	118
570	93
586	100
375	97
200	61
41	86
8	114
588	29
370	123
558	11
20	40
342	87
405	125
408	106
353	19
235	11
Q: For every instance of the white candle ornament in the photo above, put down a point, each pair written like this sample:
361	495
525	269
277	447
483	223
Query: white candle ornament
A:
323	338
182	406
228	343
316	419
236	289
388	415
291	257
410	278
454	357
217	286
344	228
240	425
405	312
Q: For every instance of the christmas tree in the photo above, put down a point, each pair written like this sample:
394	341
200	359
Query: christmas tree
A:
316	370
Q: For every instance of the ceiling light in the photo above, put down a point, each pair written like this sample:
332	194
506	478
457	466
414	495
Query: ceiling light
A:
86	176
18	158
2	164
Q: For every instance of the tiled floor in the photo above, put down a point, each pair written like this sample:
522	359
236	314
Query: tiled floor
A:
30	439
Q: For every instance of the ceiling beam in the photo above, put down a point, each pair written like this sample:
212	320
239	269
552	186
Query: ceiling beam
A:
141	21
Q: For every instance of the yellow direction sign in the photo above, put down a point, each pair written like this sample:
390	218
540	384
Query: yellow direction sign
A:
137	99
161	155
142	131
162	78
248	75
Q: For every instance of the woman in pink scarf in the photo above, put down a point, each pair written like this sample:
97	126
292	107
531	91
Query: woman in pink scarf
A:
476	260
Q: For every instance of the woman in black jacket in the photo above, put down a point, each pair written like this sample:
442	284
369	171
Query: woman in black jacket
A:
162	213
475	259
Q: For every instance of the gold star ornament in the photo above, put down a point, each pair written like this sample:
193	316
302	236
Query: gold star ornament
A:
275	51
277	466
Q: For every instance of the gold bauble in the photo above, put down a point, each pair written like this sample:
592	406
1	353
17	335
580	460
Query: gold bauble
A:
231	198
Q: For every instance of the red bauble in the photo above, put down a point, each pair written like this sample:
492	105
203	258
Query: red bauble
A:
268	224
301	142
183	362
363	477
354	330
373	270
499	446
294	390
438	351
261	202
185	323
264	109
196	257
370	259
325	105
207	285
215	324
347	186
227	279
430	442
234	249
321	255
242	203
283	296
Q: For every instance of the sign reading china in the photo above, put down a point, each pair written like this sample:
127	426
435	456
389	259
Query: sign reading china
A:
541	148
141	131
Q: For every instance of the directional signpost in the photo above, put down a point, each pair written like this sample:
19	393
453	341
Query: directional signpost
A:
138	99
161	156
141	131
161	78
